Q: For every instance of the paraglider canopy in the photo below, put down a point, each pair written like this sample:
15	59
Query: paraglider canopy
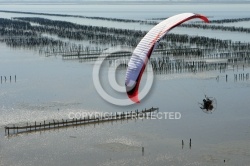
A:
145	48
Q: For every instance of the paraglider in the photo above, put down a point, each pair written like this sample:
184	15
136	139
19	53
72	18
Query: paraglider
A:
209	104
144	49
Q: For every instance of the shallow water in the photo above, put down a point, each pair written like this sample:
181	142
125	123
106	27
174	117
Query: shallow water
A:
141	12
49	88
218	12
46	84
136	11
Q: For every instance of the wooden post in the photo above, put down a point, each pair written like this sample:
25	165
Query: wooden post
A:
49	125
35	125
43	124
112	118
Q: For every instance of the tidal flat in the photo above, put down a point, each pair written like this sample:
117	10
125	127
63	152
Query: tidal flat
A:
52	57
